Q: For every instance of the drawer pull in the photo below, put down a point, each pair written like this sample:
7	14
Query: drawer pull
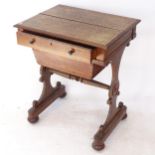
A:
32	41
71	51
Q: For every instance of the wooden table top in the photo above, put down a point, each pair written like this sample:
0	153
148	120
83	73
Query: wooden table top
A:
78	25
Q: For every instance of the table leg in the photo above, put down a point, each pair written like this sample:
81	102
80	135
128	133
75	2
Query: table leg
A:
116	113
49	95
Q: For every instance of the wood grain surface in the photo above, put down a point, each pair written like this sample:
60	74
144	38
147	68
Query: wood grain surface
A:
92	17
77	68
79	25
52	46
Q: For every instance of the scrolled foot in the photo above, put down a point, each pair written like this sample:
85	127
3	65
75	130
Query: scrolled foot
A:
63	95
121	104
58	84
125	116
98	145
33	119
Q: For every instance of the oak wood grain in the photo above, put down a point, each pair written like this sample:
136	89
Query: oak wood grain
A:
71	30
79	25
92	17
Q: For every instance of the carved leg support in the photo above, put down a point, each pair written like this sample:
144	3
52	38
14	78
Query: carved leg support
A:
115	114
49	95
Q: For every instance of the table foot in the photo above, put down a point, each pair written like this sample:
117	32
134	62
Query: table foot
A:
63	95
48	96
39	106
98	145
106	129
33	119
125	117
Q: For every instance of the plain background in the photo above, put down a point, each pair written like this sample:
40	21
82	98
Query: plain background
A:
68	126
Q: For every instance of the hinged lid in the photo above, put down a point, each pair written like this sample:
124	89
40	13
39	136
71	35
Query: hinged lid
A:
78	25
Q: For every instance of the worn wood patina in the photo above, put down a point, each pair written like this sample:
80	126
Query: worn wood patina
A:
78	44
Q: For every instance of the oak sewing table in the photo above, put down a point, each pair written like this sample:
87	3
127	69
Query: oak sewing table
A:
78	44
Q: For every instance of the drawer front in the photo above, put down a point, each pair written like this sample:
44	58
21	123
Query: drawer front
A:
55	47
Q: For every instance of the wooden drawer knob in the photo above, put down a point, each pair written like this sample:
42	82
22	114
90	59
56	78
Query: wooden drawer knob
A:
32	41
72	51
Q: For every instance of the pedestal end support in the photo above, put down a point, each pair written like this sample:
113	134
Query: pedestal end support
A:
48	96
106	129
